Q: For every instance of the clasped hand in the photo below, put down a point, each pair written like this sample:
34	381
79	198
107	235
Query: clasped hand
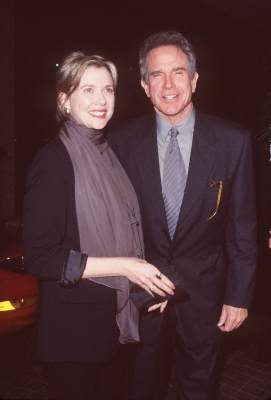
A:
149	278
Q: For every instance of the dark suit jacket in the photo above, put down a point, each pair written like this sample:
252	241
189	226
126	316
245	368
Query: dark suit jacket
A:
215	257
76	324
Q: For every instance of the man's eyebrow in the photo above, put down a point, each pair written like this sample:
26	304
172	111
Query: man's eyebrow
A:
156	71
179	69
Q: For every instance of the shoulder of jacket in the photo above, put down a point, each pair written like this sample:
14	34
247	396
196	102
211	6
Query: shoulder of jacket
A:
53	156
54	149
222	128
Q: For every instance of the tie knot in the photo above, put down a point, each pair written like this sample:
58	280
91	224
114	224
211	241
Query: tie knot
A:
173	132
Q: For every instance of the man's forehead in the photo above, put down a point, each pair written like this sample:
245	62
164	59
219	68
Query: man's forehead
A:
167	57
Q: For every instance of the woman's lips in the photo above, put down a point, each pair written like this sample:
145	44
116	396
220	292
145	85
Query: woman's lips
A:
98	113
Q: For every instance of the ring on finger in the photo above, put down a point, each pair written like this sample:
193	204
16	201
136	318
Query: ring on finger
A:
159	275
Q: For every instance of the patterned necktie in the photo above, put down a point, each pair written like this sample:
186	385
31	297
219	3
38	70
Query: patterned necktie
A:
174	181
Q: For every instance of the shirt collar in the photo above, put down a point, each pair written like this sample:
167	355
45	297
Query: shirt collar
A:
186	127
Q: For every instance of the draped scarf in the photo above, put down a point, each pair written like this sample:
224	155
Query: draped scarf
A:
107	212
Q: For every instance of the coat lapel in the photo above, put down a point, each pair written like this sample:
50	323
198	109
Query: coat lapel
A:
147	161
201	165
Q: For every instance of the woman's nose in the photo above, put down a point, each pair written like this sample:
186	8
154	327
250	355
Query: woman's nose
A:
100	98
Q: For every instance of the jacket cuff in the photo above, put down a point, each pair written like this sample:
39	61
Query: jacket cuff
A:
73	269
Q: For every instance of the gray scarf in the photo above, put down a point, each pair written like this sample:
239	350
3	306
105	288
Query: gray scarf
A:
107	212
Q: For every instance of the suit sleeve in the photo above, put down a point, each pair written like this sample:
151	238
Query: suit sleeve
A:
241	233
47	254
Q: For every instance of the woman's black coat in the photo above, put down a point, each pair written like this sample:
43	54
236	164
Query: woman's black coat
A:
76	324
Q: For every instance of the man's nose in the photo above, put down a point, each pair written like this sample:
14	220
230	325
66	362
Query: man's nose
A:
168	81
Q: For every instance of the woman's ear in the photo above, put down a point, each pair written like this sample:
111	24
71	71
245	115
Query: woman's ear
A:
64	102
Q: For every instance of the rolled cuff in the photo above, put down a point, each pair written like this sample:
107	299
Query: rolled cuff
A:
73	268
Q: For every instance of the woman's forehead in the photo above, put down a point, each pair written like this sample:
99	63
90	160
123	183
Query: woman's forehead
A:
96	74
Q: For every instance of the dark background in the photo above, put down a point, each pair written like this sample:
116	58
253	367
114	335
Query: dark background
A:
231	38
232	43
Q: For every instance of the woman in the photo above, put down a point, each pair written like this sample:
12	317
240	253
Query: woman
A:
82	236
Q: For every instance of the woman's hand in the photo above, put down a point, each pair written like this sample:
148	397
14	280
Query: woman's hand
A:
148	277
135	269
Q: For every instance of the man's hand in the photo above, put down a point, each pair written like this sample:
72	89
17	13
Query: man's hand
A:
231	318
162	307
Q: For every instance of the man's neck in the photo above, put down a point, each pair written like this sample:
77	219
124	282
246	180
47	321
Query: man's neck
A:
176	119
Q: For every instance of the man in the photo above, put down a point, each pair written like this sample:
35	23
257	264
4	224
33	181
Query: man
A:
194	181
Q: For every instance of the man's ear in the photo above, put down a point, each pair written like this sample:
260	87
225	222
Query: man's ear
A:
194	82
145	87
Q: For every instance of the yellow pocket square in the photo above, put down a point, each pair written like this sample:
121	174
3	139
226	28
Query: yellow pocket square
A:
218	198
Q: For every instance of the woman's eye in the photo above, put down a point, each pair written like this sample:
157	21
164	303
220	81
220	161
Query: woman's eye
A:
88	90
109	90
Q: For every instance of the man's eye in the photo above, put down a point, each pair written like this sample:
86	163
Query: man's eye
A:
155	74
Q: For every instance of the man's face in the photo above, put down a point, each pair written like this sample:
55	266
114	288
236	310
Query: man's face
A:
169	84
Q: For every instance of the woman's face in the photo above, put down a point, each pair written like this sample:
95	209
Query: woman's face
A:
92	103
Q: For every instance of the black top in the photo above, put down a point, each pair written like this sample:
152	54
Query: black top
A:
78	323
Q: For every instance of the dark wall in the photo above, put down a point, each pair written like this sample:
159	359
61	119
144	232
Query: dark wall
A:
7	186
231	55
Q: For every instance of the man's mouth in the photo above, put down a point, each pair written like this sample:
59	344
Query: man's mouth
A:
170	97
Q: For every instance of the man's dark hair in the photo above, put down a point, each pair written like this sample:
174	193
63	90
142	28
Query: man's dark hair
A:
166	38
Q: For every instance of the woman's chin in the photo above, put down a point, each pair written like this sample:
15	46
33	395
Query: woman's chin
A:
96	123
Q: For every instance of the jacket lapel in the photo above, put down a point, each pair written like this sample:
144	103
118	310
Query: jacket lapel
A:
147	161
201	165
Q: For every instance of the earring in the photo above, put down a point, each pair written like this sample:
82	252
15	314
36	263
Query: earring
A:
67	110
